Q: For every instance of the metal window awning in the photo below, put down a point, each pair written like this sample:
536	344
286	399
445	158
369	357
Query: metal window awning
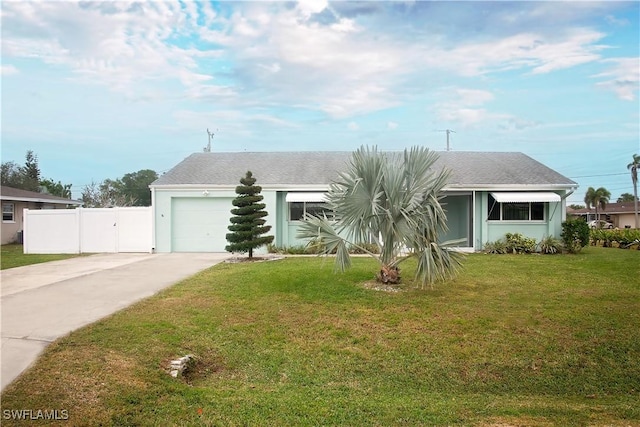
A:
530	196
306	197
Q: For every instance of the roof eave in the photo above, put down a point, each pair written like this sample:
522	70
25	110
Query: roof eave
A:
267	187
41	200
325	187
510	187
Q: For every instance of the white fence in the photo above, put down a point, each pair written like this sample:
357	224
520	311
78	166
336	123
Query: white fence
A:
88	230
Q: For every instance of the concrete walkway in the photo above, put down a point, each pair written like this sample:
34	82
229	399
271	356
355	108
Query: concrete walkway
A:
43	302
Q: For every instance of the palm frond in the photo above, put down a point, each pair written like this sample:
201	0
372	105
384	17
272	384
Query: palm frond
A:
392	199
326	238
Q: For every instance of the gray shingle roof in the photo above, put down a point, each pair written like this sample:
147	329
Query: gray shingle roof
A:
17	194
469	169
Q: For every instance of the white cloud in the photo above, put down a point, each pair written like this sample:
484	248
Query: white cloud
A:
528	51
467	109
118	44
344	69
468	117
611	19
392	125
306	56
345	26
623	77
8	70
474	96
307	8
272	68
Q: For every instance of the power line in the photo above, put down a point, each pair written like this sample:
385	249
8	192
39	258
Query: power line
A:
595	176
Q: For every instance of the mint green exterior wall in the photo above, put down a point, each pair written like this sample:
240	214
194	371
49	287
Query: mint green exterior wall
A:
286	236
466	211
168	204
490	231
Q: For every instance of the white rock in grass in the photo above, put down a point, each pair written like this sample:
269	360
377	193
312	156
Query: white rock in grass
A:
178	366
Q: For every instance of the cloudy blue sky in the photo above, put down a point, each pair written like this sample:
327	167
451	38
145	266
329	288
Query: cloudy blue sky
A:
98	90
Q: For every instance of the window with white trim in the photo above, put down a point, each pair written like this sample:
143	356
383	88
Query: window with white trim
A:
518	211
8	212
297	210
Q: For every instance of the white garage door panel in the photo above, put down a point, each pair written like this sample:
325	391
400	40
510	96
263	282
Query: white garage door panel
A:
200	224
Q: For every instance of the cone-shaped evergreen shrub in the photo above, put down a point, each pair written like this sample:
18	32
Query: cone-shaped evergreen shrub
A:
247	226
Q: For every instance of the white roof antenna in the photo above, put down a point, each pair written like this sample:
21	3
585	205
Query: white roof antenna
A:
448	131
207	149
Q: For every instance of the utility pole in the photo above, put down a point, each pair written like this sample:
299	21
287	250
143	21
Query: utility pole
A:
207	149
448	131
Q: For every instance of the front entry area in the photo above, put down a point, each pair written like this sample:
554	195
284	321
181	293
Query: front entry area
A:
459	209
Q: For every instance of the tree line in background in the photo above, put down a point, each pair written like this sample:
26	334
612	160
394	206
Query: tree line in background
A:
130	190
27	177
599	198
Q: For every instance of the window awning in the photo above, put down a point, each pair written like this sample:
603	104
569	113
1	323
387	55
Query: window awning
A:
531	196
305	197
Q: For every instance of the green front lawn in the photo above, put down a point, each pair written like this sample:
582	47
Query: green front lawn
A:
12	256
515	340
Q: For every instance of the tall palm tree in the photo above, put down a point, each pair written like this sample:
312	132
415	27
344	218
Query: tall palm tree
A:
633	167
597	198
392	200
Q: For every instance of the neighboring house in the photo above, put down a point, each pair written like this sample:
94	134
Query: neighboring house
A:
489	194
621	215
15	200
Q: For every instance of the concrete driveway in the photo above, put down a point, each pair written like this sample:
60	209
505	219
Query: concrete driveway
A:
43	302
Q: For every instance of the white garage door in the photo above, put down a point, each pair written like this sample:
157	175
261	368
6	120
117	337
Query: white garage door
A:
200	224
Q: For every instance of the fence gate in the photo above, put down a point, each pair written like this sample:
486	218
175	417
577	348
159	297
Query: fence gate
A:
88	230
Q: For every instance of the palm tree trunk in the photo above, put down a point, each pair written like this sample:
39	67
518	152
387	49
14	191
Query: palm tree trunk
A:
635	202
389	274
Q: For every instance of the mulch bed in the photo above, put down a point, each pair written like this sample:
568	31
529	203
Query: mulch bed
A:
377	286
262	258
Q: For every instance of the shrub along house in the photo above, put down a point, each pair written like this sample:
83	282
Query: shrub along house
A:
489	194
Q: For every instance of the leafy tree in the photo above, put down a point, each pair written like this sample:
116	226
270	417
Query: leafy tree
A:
392	200
11	175
576	206
28	177
31	172
633	168
130	190
625	197
135	185
56	188
104	195
247	226
597	198
25	177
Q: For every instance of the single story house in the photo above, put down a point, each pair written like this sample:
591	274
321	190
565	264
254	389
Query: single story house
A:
489	194
621	215
15	200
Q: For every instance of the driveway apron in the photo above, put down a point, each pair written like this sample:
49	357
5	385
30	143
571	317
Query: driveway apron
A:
43	302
